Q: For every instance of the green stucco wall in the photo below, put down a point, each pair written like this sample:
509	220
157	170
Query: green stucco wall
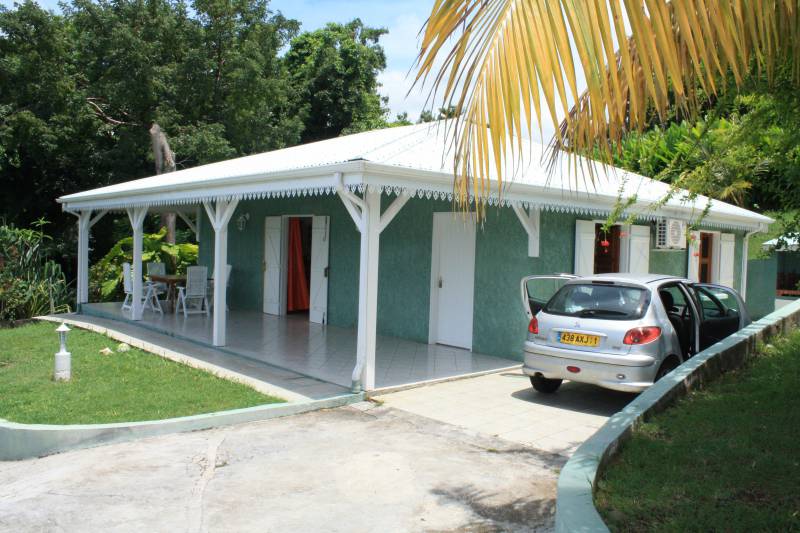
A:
673	262
499	322
788	262
761	276
246	253
403	272
501	261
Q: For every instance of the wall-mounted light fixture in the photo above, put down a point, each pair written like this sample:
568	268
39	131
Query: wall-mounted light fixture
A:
241	222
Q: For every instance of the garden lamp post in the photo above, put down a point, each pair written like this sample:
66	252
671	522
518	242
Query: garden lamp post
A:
63	370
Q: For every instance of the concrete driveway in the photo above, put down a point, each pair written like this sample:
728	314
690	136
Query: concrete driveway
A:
359	468
506	406
479	454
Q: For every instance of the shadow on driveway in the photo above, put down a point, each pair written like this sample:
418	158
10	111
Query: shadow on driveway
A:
579	397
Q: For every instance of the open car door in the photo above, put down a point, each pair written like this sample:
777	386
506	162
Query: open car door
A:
537	290
722	312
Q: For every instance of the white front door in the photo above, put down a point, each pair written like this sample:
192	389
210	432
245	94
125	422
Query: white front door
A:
452	280
274	265
320	233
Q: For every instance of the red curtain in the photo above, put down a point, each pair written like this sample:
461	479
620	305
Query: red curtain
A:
297	297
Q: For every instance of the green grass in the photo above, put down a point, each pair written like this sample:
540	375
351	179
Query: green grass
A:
122	387
724	459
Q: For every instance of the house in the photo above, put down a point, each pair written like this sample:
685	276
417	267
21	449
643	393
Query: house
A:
366	222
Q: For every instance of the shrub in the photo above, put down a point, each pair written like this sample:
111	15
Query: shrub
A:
31	283
105	277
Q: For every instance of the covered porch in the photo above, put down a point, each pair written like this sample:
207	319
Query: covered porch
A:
324	352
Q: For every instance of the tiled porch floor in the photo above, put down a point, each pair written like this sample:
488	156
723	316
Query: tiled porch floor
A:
323	352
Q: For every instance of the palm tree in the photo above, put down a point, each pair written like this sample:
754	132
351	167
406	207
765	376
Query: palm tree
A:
507	62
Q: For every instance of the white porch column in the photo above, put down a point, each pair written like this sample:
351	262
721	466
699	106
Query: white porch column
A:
219	216
368	288
136	216
366	213
85	223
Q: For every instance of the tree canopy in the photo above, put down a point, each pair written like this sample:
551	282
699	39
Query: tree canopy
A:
744	148
223	78
335	71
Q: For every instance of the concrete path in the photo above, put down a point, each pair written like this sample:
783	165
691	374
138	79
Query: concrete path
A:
506	406
353	469
263	377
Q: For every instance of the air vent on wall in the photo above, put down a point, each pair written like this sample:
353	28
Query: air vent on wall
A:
671	234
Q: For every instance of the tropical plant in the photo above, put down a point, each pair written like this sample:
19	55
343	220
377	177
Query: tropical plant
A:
505	63
105	279
31	283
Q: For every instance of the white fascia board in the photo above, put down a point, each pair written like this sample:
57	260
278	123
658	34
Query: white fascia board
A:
442	182
360	172
199	191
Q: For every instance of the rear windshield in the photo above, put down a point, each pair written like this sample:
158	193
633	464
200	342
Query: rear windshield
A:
611	302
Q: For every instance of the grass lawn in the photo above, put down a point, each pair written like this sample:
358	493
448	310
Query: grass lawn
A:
122	387
724	459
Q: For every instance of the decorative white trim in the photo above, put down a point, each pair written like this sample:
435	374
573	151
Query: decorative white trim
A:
530	223
423	185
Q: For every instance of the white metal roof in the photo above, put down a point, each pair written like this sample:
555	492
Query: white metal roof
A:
790	244
415	159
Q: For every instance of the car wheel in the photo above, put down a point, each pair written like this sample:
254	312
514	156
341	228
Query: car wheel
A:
666	367
543	384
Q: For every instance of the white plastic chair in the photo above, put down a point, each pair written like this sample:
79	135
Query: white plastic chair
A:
194	297
127	285
153	290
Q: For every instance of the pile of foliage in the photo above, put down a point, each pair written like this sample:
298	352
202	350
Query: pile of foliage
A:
31	283
105	277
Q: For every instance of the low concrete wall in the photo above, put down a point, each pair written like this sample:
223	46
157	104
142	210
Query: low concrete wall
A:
575	510
24	441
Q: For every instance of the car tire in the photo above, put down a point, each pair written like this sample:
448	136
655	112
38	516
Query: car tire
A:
666	367
543	384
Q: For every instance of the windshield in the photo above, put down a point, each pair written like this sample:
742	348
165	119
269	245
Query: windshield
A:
612	302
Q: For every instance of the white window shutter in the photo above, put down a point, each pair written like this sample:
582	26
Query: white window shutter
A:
320	247
727	250
693	270
639	251
584	247
273	264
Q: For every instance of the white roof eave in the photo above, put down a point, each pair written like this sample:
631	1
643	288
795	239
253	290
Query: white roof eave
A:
413	159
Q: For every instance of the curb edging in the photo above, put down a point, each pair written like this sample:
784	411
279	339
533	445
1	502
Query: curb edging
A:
25	441
575	510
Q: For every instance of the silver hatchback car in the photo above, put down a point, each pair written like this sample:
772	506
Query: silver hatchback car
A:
621	331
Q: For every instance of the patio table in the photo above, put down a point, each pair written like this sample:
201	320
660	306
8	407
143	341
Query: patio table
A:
171	281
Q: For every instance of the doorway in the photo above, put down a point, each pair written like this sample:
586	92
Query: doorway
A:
298	265
606	249
452	280
296	251
706	259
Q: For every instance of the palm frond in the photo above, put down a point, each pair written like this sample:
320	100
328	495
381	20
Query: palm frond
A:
504	63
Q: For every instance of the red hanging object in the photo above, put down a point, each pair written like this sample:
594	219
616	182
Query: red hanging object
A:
297	293
604	243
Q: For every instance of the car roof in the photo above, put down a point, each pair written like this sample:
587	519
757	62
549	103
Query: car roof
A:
626	277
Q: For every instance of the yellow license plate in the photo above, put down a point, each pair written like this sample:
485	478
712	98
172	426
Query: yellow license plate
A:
578	339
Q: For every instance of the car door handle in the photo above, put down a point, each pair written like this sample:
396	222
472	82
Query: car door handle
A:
440	282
